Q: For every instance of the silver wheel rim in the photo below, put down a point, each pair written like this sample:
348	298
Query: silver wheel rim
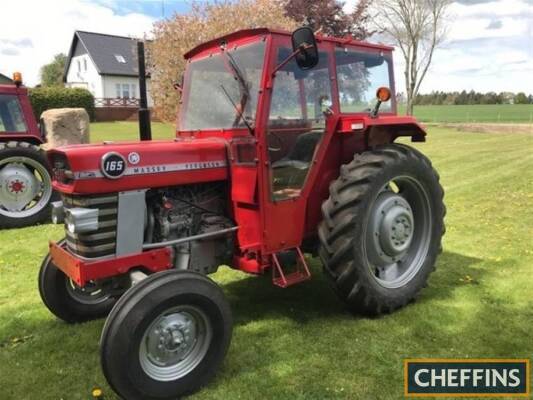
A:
25	187
91	294
398	232
175	343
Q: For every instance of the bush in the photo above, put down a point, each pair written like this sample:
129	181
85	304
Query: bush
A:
43	99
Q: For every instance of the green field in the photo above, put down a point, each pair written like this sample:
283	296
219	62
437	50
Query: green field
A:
300	343
519	113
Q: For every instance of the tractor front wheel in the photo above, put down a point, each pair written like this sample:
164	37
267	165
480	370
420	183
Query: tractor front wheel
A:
166	337
70	302
382	228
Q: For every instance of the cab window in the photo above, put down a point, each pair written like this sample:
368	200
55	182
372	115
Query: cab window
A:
296	123
11	117
359	75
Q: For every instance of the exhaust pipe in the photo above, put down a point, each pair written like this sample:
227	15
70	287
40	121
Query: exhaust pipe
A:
145	130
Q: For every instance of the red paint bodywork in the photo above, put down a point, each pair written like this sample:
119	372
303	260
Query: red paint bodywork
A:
32	134
265	226
83	271
87	158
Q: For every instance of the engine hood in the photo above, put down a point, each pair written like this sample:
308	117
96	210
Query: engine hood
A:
114	167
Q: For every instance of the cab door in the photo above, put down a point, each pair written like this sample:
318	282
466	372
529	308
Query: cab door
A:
293	136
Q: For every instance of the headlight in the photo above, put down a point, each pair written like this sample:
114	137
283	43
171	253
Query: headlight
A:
81	220
58	212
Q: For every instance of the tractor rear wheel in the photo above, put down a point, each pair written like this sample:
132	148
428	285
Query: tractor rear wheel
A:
68	301
25	185
166	337
382	228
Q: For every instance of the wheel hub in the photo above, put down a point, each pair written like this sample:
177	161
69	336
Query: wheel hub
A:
391	228
171	339
175	343
18	187
396	230
91	294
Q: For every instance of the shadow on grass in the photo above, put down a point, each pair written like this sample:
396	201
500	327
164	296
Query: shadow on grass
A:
255	297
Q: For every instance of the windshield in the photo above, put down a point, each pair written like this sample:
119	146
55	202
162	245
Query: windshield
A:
11	118
221	88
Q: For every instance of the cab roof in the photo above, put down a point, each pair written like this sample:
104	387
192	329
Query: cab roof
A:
246	33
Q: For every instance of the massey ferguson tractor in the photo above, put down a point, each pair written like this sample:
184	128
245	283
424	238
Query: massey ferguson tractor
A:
281	149
25	182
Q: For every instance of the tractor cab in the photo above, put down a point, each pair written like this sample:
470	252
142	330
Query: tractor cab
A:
16	115
279	114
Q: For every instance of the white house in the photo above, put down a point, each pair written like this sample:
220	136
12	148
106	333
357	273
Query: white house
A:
107	66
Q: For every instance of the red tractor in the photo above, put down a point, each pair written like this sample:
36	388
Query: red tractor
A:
281	149
25	179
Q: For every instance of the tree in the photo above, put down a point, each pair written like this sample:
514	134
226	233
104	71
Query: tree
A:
52	74
521	98
417	27
175	36
327	17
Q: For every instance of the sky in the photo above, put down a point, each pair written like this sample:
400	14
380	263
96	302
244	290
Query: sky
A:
489	46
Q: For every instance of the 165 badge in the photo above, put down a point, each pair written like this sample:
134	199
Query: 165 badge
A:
113	165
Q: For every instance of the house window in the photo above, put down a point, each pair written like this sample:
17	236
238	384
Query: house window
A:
120	59
125	91
79	66
85	64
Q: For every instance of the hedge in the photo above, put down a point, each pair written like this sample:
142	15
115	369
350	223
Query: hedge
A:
43	99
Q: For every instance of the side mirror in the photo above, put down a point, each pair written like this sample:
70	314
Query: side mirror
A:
305	47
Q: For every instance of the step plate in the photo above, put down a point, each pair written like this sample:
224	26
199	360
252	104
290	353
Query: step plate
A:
279	278
291	279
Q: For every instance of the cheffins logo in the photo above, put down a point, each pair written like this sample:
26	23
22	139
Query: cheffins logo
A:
461	378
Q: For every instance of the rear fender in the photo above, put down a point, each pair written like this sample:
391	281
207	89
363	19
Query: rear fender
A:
383	129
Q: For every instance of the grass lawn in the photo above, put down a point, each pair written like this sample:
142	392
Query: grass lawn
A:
101	131
519	113
300	343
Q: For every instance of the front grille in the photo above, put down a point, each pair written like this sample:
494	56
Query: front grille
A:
103	241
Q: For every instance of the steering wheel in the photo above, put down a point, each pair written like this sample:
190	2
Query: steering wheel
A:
279	140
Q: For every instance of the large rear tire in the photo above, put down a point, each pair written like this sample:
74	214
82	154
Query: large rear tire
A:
25	185
166	337
68	301
382	228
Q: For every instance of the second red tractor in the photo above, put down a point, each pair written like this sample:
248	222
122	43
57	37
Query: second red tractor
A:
282	149
25	179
